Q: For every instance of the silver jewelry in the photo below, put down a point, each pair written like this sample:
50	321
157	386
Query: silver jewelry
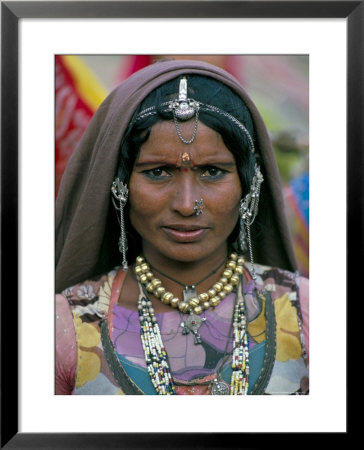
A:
210	108
192	324
219	387
120	192
184	109
248	210
189	290
199	207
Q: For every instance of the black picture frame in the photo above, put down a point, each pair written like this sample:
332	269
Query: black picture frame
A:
11	13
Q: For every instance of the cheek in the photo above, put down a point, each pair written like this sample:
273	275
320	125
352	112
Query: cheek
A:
143	202
225	204
225	215
139	208
227	212
226	201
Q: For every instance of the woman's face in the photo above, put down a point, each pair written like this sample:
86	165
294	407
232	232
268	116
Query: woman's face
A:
167	179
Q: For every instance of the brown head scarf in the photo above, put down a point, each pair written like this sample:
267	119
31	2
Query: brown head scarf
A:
83	234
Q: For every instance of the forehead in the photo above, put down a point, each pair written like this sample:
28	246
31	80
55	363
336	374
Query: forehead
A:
164	141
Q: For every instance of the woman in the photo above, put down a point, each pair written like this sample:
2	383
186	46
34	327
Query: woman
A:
158	212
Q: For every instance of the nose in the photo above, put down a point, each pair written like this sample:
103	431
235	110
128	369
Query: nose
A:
185	196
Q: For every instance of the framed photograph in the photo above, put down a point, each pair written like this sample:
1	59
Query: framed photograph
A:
331	35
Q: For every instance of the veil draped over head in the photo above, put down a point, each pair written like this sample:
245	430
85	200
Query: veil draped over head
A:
83	231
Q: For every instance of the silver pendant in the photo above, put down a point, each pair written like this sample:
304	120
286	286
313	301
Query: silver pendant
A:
192	324
189	292
219	387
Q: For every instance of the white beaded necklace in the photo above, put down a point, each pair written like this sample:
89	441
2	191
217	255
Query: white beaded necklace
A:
157	359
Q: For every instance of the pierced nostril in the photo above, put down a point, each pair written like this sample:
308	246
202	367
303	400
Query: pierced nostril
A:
186	195
184	205
186	210
199	207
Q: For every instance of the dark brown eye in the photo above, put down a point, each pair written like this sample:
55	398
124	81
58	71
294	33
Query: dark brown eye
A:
212	172
157	173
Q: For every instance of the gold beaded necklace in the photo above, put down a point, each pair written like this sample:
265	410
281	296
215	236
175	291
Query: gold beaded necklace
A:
196	304
192	305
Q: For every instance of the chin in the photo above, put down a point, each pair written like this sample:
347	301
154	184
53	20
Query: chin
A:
189	253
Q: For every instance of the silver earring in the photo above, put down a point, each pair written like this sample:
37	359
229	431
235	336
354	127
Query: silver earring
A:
120	192
248	210
199	207
184	109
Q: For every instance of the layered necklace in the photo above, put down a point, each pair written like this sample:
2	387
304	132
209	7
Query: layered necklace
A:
155	354
191	301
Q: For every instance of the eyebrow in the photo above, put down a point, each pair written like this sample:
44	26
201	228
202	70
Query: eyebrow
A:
217	163
167	163
154	163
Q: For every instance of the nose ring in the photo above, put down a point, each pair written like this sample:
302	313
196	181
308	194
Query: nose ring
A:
199	206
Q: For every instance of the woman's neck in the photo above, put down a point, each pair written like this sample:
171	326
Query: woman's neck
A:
175	275
187	272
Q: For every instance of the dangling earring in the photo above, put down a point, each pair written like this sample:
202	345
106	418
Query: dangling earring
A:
120	192
248	211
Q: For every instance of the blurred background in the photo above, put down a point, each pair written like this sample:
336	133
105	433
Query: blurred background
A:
278	84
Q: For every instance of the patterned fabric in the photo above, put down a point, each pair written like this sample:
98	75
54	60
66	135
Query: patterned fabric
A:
99	350
78	94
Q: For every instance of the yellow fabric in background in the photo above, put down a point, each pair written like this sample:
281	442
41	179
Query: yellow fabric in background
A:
90	89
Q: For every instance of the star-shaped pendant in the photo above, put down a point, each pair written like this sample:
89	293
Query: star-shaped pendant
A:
192	324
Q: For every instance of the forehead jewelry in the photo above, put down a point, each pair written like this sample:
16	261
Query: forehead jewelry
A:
120	193
184	109
199	207
186	159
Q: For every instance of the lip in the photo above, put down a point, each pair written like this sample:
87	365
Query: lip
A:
185	233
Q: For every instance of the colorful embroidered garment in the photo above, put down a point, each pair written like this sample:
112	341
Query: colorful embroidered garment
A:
99	350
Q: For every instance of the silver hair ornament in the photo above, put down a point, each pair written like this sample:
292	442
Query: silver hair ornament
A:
184	109
120	192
